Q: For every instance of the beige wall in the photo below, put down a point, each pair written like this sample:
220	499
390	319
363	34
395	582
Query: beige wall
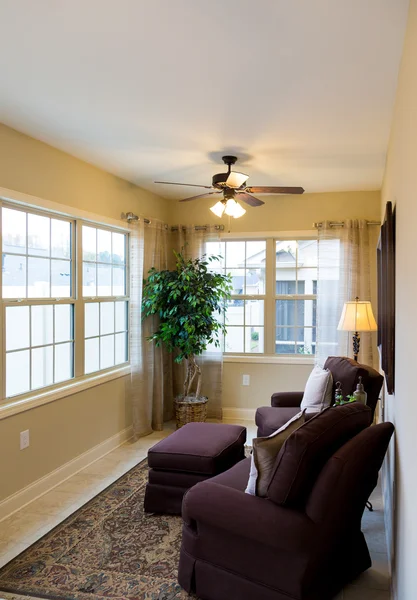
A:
31	167
60	431
283	213
64	429
400	185
280	213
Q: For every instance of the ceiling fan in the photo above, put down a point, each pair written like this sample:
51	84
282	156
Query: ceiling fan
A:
232	185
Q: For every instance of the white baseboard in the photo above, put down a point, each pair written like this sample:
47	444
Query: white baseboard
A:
43	485
240	414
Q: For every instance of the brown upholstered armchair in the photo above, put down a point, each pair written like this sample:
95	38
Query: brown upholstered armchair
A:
304	540
284	405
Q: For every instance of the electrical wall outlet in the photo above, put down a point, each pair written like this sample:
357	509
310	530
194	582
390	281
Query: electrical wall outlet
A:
24	439
246	380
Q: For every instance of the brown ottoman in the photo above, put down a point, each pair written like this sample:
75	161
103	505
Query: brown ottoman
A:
196	452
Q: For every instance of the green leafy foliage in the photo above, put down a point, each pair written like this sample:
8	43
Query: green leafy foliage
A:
190	303
340	400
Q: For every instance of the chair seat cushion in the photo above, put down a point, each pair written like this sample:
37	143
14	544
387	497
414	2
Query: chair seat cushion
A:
206	448
271	418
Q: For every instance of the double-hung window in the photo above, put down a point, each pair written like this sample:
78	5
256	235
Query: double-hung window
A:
273	305
64	299
295	296
38	300
104	290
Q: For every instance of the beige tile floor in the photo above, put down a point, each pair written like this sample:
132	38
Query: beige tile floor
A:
23	528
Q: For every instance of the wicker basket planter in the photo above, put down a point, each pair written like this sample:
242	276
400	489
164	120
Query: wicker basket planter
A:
190	409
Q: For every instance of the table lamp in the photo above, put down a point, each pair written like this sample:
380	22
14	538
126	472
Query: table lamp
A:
357	316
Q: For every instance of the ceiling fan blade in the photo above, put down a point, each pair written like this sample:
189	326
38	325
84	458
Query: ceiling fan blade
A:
235	179
265	189
201	196
251	200
209	187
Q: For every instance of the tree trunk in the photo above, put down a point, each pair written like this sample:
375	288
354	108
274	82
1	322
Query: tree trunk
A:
193	371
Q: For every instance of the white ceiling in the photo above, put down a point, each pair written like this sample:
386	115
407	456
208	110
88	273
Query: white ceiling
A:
301	90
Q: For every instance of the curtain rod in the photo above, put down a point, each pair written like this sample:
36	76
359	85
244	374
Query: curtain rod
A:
200	227
341	224
129	217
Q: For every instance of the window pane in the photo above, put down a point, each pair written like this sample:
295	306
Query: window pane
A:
103	245
216	249
121	316
234	312
89	279
63	362
118	248
38	278
14	276
104	280
255	281
60	239
285	340
121	348
17	372
238	281
305	313
234	339
308	341
91	319
14	231
119	288
235	254
254	312
106	351
38	235
254	339
106	317
89	243
307	253
61	278
63	323
42	367
283	287
17	327
92	355
42	325
285	312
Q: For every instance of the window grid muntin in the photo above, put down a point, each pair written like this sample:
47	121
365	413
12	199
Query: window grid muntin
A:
288	297
30	348
244	297
110	264
51	216
114	333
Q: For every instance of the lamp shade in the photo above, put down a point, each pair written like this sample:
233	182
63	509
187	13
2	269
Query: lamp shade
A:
357	315
218	209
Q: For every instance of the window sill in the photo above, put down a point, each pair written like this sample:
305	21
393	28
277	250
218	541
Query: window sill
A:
13	407
265	359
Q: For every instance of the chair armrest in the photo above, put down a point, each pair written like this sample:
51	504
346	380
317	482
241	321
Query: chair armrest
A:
256	519
287	399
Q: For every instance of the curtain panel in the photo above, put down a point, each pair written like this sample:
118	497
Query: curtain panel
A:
345	256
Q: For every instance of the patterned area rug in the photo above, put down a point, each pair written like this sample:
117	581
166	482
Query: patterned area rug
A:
108	549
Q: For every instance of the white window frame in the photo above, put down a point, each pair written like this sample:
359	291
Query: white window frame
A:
269	355
33	398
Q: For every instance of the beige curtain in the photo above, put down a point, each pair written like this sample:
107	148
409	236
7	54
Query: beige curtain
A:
150	386
193	240
345	256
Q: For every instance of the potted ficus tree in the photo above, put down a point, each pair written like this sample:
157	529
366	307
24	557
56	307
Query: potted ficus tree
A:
189	302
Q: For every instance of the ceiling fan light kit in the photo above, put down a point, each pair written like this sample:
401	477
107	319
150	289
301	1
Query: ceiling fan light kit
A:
232	184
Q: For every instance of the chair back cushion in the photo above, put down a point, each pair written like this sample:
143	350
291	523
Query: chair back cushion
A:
348	478
347	371
309	447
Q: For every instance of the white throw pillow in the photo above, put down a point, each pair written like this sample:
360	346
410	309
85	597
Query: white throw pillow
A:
318	390
264	453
